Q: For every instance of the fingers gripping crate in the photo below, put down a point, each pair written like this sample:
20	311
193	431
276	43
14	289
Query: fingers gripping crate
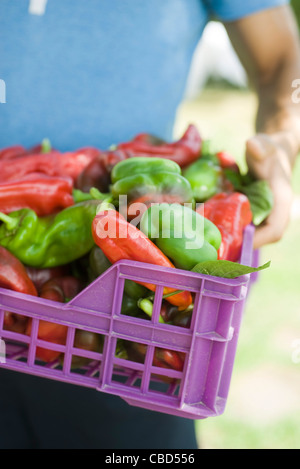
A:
197	390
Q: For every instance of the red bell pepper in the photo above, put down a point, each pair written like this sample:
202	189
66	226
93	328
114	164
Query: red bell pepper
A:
43	194
13	276
231	213
184	151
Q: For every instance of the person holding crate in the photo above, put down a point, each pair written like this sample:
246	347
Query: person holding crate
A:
93	73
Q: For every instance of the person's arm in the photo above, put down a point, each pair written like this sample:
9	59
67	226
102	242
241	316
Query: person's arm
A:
267	44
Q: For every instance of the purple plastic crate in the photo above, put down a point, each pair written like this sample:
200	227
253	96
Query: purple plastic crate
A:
209	345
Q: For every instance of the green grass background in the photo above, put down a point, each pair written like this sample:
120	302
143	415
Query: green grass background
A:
263	408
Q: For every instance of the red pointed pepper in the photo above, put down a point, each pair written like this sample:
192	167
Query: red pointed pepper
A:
69	164
184	151
120	239
9	153
13	276
44	195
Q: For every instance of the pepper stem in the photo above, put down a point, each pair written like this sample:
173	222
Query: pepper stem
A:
80	196
96	194
105	205
146	305
46	146
93	194
176	292
10	222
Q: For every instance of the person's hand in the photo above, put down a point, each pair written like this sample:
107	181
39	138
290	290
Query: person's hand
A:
270	158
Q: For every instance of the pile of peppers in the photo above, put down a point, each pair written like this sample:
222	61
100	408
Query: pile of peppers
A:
56	209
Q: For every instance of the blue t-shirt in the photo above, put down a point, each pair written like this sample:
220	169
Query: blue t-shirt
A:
96	72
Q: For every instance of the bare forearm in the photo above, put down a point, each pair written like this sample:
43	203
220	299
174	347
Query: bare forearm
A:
268	46
278	109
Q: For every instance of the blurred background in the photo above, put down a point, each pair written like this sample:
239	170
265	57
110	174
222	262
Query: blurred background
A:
263	408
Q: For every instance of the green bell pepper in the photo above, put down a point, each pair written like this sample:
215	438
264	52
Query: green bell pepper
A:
143	164
157	186
150	180
181	234
205	177
49	241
